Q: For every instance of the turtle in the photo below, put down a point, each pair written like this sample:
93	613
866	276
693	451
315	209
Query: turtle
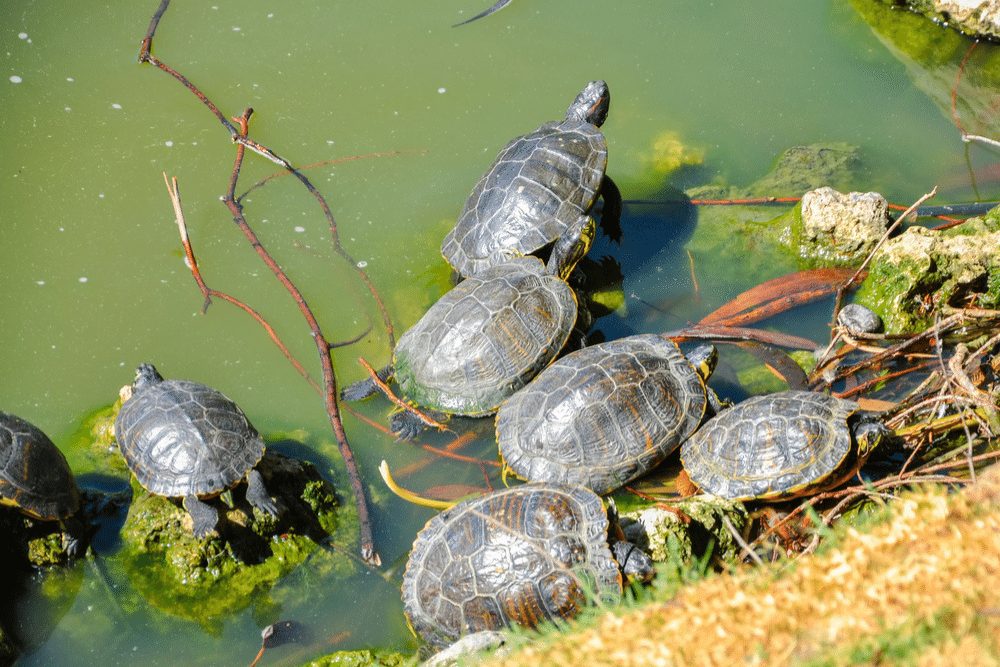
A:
185	439
605	414
479	343
539	188
521	555
779	446
36	479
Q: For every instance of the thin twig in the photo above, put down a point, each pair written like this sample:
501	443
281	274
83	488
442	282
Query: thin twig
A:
192	263
241	138
368	552
403	405
740	541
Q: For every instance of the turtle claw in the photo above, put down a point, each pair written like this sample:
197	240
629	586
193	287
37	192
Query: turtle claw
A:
74	537
258	496
72	546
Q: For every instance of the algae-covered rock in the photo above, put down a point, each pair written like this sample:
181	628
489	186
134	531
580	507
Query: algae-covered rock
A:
841	228
795	172
202	579
695	528
32	543
361	658
978	18
914	274
95	437
754	243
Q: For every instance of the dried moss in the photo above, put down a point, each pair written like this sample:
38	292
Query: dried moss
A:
910	591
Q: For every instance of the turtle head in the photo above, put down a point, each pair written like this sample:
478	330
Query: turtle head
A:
145	376
635	564
868	432
703	358
591	105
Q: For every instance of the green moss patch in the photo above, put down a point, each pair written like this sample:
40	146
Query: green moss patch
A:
203	579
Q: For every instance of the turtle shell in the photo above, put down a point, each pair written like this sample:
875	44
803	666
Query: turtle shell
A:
34	474
603	415
183	438
520	556
771	447
485	339
539	184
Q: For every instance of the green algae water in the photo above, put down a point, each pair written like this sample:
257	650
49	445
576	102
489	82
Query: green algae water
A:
93	280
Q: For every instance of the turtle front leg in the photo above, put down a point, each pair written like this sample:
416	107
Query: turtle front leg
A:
203	516
257	494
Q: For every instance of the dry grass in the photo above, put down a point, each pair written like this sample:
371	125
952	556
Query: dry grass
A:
923	588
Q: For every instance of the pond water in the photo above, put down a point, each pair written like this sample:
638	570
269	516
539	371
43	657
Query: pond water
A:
92	278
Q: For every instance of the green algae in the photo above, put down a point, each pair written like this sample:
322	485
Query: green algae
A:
94	441
361	658
206	579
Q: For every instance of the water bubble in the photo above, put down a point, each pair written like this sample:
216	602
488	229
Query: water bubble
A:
15	78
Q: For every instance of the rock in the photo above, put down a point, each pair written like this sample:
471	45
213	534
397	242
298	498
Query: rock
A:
858	319
208	578
688	533
841	228
480	644
916	273
978	18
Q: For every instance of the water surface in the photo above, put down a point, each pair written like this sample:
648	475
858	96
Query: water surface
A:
92	280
